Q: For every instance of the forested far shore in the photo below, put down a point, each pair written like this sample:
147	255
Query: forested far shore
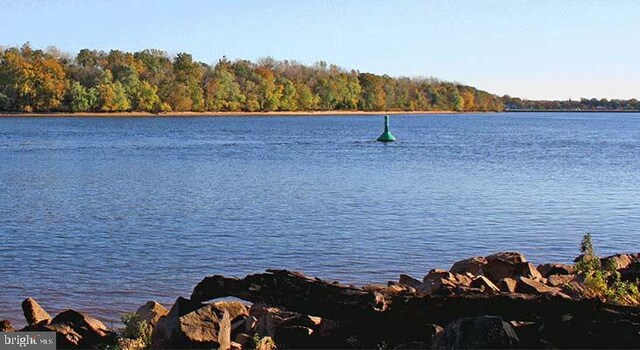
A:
583	105
33	80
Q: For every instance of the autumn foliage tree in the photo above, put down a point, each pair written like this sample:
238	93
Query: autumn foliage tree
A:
31	80
152	81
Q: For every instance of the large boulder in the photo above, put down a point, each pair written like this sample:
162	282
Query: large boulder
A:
409	281
508	257
75	330
152	312
530	286
617	261
34	313
473	266
559	280
191	324
438	282
91	330
547	270
509	264
480	332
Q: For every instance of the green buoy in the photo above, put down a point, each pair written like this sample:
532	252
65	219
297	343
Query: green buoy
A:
386	135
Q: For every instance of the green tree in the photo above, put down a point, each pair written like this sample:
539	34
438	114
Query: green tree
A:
373	96
81	99
223	92
112	96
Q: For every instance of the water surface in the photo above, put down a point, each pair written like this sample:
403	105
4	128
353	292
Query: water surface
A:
102	214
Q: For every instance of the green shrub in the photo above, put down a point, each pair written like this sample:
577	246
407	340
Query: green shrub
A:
138	330
604	281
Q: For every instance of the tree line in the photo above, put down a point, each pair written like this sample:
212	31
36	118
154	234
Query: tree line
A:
33	80
584	104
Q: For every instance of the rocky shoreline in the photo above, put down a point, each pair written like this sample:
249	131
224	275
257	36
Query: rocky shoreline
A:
497	301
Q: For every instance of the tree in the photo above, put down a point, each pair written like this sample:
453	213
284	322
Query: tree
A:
373	96
33	80
188	75
223	92
147	98
81	99
150	80
112	96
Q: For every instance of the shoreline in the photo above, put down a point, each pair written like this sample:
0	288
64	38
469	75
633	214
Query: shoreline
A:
218	114
498	301
272	113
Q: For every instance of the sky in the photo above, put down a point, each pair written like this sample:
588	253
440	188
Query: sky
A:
531	49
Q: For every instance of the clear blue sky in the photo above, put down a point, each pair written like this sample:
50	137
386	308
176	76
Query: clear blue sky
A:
532	49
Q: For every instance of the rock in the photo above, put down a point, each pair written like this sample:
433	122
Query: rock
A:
438	286
631	273
409	281
34	313
473	266
479	332
547	270
91	330
224	332
559	280
76	330
507	285
69	338
191	324
152	312
575	289
245	340
484	284
527	270
617	261
508	257
440	282
368	319
5	326
167	329
464	279
530	286
512	265
397	288
436	274
374	287
266	319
